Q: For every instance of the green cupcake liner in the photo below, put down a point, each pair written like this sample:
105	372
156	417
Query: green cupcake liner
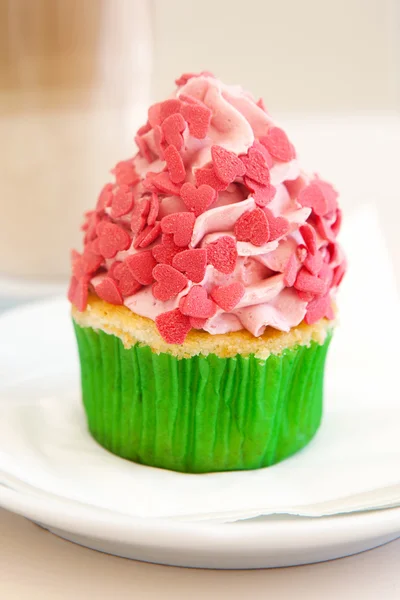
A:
204	413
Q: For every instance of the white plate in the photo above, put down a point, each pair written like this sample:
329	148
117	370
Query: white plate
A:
263	542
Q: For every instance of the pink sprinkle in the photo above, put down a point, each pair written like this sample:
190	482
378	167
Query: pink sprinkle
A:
338	223
148	181
223	255
165	252
197	304
172	128
175	164
314	263
252	227
309	283
278	226
207	176
143	146
108	291
163	182
78	293
144	129
309	237
141	266
267	157
154	209
338	274
192	262
122	202
197	200
256	167
150	234
173	326
169	282
227	165
228	296
139	216
197	323
312	197
198	118
168	108
262	194
317	309
127	284
277	144
105	197
180	225
159	140
125	173
324	230
113	239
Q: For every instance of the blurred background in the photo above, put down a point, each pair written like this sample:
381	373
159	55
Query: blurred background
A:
76	77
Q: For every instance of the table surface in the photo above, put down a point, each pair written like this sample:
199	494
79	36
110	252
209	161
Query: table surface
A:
34	564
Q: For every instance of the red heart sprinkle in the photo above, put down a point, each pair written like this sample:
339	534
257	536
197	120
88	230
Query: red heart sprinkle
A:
162	181
105	197
168	108
291	270
144	149
277	144
312	197
278	226
78	293
173	326
144	129
184	78
309	237
207	176
197	303
148	182
222	254
125	173
338	274
227	165
252	227
314	262
180	225
175	164
192	262
197	200
141	266
172	128
113	239
316	309
197	323
228	296
139	216
154	209
148	235
154	115
267	157
256	167
169	282
165	252
326	274
108	290
122	202
198	118
324	230
309	283
262	194
329	192
127	284
87	264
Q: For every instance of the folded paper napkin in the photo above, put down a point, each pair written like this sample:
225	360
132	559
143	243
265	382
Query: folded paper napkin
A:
352	464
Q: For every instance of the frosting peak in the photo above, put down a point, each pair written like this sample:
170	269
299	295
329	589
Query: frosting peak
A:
212	225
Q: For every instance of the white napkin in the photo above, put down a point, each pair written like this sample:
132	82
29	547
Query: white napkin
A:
352	464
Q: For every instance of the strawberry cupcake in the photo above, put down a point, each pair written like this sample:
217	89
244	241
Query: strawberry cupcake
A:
204	297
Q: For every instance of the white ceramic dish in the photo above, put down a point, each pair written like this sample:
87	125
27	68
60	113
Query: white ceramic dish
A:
255	543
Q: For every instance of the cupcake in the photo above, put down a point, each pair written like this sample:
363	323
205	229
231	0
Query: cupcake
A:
204	297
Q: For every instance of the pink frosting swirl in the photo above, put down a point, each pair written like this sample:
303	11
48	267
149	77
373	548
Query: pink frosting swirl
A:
212	224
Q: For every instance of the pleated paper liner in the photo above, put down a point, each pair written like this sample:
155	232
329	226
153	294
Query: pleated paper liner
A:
204	413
